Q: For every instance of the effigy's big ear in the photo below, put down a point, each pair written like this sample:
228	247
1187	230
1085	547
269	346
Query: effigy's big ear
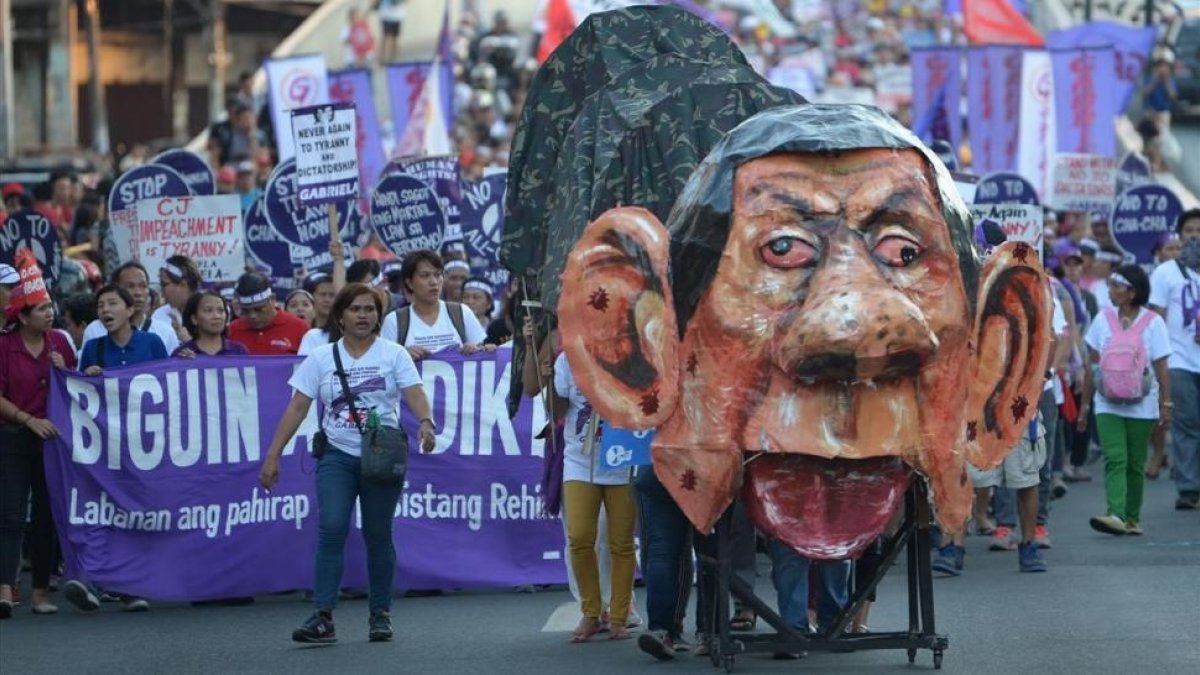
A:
1011	343
617	319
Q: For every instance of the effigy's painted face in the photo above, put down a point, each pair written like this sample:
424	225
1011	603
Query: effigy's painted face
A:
834	352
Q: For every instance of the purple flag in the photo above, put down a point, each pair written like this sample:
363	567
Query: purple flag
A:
937	91
1131	51
154	482
354	86
993	106
1084	110
405	81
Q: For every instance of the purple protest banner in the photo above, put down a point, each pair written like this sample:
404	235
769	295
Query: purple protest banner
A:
993	106
937	91
1131	51
154	483
405	81
354	86
1141	216
1084	109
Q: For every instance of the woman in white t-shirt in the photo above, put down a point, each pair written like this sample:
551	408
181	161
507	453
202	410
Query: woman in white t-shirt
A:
377	373
587	485
432	323
1125	428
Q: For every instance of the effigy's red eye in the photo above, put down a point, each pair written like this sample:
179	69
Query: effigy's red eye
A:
788	253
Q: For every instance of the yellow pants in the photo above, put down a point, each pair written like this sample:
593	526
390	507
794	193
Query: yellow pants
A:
582	501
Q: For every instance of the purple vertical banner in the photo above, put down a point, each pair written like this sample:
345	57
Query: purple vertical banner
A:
993	107
445	62
1008	122
1083	104
354	86
405	81
937	91
1131	45
983	108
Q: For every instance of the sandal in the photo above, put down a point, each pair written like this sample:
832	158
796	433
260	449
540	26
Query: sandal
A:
744	621
586	629
619	633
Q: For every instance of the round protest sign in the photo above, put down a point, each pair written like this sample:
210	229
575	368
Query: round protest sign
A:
303	225
1140	218
406	214
483	219
444	176
1134	170
30	229
195	171
1005	188
268	249
144	182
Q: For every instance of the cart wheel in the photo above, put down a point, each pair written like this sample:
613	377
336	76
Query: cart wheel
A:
729	663
912	656
937	659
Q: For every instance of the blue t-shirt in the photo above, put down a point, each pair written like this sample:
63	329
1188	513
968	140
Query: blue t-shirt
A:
142	347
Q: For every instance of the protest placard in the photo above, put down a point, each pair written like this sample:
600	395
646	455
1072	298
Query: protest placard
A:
406	214
625	447
306	226
272	254
294	82
30	229
1140	218
444	176
326	142
207	229
144	182
1020	222
195	171
1005	188
1134	170
1082	183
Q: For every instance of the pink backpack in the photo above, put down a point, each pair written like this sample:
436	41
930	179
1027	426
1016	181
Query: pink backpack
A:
1124	362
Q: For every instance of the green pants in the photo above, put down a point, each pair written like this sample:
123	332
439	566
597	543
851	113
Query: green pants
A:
1125	442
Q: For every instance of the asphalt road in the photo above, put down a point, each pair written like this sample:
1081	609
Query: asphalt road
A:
1107	605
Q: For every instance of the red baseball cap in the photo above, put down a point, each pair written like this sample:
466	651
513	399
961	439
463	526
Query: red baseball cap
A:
12	189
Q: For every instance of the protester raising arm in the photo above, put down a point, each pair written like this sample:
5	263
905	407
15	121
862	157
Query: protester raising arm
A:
339	265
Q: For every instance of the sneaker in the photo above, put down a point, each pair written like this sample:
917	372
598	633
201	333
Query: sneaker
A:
379	627
1188	501
1030	557
657	643
1134	528
1109	525
1003	539
1041	537
1058	488
1076	474
948	560
701	648
135	605
317	630
81	596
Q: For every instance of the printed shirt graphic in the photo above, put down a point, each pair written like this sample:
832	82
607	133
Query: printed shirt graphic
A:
576	465
1158	345
1181	299
375	379
438	336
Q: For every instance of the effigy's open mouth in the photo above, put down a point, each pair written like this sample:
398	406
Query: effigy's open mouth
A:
825	509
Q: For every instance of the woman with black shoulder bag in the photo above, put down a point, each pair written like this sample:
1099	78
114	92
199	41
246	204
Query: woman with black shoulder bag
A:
357	379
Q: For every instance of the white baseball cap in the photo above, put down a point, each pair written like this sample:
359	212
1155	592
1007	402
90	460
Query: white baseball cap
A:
8	275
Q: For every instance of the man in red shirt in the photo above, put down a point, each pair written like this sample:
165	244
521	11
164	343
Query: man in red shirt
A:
262	327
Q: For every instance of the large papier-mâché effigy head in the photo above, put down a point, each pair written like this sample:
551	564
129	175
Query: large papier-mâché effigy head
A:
811	327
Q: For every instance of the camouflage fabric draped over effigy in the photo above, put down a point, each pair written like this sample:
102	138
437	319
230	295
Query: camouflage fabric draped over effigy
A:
621	113
811	326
